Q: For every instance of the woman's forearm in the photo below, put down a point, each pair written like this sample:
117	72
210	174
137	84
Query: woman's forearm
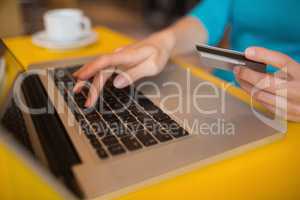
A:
185	34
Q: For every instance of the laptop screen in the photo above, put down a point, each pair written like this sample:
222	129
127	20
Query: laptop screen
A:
10	67
10	117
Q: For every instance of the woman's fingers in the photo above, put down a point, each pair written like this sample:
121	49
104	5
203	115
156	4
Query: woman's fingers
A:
265	97
273	58
259	80
97	85
144	69
293	93
261	95
90	69
282	113
78	86
269	83
122	57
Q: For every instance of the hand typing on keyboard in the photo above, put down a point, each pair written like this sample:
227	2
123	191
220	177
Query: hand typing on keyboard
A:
122	121
145	58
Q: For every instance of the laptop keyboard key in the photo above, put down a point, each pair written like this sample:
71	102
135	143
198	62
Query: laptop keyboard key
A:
161	116
142	117
127	117
95	143
99	128
103	108
78	116
174	128
87	130
80	100
162	135
92	117
131	143
180	133
147	104
134	109
91	137
116	149
151	125
110	118
125	99
109	140
146	138
115	105
134	127
102	153
121	131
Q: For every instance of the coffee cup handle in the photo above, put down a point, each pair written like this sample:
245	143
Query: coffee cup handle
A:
86	25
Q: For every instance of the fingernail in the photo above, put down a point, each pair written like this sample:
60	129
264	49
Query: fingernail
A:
87	103
250	52
236	70
121	82
75	88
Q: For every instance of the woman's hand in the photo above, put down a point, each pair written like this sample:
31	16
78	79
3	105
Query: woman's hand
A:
283	86
142	59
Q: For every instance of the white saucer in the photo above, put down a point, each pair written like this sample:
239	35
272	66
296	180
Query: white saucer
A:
41	39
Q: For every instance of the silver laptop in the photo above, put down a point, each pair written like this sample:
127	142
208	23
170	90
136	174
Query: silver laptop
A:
157	128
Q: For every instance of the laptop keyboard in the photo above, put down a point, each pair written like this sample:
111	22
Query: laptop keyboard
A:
123	120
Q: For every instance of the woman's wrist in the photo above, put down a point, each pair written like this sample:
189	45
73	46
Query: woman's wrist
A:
165	39
169	39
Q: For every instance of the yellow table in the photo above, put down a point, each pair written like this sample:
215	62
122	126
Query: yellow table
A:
270	172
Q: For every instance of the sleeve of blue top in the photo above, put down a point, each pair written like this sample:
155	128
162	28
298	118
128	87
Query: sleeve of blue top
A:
215	16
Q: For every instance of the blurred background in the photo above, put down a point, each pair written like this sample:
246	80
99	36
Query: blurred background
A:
136	18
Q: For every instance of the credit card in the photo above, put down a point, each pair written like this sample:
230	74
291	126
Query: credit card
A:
226	59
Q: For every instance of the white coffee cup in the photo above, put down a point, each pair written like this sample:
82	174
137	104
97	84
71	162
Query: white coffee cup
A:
65	25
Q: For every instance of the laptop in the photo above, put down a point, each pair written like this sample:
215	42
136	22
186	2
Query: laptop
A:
157	128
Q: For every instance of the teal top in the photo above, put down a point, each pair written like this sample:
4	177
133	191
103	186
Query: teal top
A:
273	24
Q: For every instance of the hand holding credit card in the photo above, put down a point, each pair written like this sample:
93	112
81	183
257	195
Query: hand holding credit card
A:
226	59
